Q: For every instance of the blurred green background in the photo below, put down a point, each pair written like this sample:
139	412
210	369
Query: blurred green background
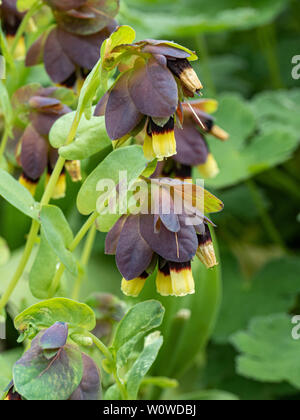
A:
245	53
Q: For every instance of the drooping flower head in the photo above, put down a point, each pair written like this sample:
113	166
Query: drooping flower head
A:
165	238
192	147
37	109
72	48
156	76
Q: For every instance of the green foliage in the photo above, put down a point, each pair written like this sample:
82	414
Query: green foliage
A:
17	195
191	17
240	158
4	252
24	5
130	159
7	360
269	352
46	313
143	363
91	137
59	235
43	270
247	297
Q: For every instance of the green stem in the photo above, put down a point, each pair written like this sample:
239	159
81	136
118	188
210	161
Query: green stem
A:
205	63
87	250
266	37
34	230
22	264
78	238
270	228
22	28
4	142
105	351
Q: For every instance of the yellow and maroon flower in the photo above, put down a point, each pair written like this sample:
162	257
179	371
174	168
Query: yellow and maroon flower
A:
156	76
141	242
72	48
37	109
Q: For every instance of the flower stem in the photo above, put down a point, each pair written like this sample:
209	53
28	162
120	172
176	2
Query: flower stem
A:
22	264
35	226
22	28
105	351
87	250
270	228
266	37
4	142
78	238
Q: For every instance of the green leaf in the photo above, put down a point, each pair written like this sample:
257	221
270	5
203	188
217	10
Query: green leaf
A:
17	195
5	104
247	298
269	352
91	137
38	378
4	252
208	395
112	394
7	361
45	314
280	108
59	235
140	319
191	17
247	153
129	159
24	5
141	366
43	270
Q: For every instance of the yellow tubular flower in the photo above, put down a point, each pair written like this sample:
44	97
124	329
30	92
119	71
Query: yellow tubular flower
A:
182	279
163	139
134	287
28	183
163	281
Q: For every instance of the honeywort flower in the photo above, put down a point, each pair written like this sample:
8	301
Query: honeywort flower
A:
38	108
72	48
156	76
10	22
84	17
192	147
165	239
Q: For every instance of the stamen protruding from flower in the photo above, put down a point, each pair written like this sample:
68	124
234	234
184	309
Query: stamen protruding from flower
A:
148	147
206	251
134	287
187	75
28	183
163	281
210	168
219	133
74	169
182	278
163	139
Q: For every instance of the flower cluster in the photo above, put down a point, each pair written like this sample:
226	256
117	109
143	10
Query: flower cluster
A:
72	47
156	77
37	109
167	240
